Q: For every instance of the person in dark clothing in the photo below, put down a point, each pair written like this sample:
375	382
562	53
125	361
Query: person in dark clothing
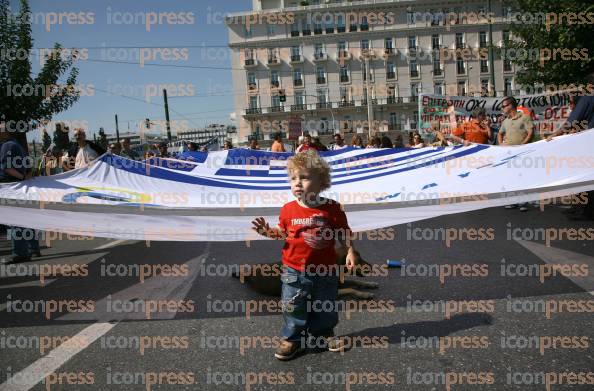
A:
14	166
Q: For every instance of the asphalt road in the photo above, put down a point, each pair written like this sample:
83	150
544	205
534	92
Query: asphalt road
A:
479	324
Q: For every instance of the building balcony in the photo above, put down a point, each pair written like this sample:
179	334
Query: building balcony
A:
320	56
389	52
298	82
346	103
367	53
390	75
391	100
352	28
344	79
276	109
364	102
394	126
273	60
250	63
460	45
321	80
296	58
340	29
323	105
414	74
294	33
298	107
438	72
343	55
329	30
306	32
318	30
274	84
484	69
253	111
252	87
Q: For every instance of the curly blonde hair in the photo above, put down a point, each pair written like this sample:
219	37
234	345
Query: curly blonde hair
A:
310	160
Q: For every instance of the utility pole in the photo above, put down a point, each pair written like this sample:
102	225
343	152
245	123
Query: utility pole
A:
117	129
167	115
491	61
368	93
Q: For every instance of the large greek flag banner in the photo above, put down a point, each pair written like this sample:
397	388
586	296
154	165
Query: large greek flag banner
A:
214	196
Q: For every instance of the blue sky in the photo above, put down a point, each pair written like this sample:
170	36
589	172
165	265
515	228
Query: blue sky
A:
192	31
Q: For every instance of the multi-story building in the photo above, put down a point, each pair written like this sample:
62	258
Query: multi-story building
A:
322	58
201	136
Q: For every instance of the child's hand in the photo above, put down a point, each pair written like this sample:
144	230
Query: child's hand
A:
261	226
351	259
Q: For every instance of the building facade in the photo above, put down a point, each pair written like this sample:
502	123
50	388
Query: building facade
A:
322	62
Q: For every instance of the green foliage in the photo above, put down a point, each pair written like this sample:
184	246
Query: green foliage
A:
572	41
27	100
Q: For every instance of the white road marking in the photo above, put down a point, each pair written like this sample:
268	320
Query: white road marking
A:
36	372
112	244
163	288
35	283
564	257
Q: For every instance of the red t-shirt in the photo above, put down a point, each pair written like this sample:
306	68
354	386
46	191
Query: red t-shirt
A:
311	233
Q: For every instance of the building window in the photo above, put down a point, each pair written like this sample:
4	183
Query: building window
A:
340	24
322	97
297	77
345	95
507	66
318	29
460	66
321	75
484	65
412	42
388	43
414	68
365	44
414	89
274	79
391	70
410	18
270	29
247	33
393	122
460	43
275	101
461	88
295	29
251	79
299	98
507	91
435	41
364	24
330	26
483	39
295	53
254	102
318	50
438	88
437	70
484	87
344	73
364	72
306	28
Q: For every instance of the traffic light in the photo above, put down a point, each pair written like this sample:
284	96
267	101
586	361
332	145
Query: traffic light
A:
147	123
282	96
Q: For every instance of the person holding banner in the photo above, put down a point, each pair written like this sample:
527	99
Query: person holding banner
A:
475	130
517	128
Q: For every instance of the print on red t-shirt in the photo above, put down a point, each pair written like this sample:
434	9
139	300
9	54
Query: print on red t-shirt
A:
311	233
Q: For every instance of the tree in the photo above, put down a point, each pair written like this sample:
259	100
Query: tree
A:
28	101
564	51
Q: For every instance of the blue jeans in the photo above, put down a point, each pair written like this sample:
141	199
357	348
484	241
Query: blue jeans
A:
24	241
309	304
